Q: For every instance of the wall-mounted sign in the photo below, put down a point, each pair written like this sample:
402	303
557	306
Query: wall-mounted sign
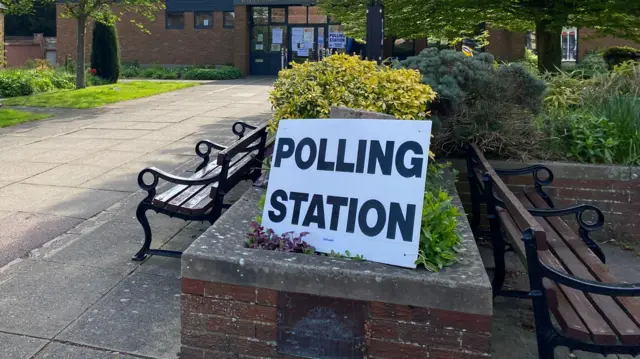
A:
354	185
302	52
276	35
337	40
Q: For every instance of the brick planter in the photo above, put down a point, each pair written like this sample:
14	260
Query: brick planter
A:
246	303
613	189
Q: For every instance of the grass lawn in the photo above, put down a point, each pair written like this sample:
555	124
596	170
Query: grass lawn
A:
10	117
97	96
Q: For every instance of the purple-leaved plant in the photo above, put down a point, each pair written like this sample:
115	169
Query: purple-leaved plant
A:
261	238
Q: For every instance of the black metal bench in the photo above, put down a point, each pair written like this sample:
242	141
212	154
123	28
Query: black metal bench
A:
200	197
568	278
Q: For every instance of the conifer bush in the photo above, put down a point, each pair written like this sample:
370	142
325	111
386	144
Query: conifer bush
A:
105	52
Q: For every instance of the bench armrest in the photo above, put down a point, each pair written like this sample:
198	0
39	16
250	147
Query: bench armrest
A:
239	128
158	174
206	154
579	211
608	289
538	182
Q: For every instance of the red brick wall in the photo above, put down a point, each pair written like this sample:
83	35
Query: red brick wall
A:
601	43
618	199
230	321
241	40
188	46
506	45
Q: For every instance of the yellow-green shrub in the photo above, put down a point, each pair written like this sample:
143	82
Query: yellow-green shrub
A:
308	90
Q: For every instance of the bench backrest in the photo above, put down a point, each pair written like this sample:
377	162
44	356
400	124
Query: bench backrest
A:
499	197
243	156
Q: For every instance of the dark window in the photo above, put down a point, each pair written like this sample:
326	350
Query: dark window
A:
203	19
261	15
175	20
229	19
278	15
403	48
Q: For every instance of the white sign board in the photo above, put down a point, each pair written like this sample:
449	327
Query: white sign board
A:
337	40
276	36
354	185
302	52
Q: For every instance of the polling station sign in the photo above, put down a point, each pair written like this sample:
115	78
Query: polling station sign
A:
354	185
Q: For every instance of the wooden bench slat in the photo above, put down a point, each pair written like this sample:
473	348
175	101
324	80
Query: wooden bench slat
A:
200	203
168	196
609	309
567	318
514	234
239	164
599	271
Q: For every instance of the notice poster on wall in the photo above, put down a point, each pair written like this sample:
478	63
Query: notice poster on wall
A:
337	40
302	52
326	179
276	35
308	34
296	35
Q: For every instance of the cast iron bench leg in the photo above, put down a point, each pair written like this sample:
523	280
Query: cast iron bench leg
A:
141	215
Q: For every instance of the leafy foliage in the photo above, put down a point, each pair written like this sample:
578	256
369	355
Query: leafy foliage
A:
617	55
28	82
105	52
308	90
591	139
480	101
449	18
261	238
438	236
591	65
221	73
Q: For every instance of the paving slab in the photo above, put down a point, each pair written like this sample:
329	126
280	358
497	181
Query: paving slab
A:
84	145
142	146
163	161
124	179
108	158
4	183
166	266
68	175
11	141
19	346
80	202
149	125
55	350
108	134
112	244
114	125
140	316
21	170
21	232
28	197
47	297
27	154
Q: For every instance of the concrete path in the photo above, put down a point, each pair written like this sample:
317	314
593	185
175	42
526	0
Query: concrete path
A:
69	185
56	173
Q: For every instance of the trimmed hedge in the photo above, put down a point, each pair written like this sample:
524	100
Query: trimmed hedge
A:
184	73
105	54
221	73
28	82
617	55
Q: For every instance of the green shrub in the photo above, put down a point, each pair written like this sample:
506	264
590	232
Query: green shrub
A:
130	71
592	64
591	138
308	90
480	101
530	61
220	73
28	82
105	52
617	55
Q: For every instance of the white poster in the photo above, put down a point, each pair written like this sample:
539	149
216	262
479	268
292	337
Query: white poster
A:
296	35
276	35
337	40
354	185
308	35
302	52
260	37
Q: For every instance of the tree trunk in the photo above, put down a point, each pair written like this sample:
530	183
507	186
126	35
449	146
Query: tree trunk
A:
549	46
80	72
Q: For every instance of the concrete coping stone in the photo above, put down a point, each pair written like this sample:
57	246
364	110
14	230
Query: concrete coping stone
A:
220	255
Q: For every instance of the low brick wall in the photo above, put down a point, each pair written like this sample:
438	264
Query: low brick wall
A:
246	303
613	189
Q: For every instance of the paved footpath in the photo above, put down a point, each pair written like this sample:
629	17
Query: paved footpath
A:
68	193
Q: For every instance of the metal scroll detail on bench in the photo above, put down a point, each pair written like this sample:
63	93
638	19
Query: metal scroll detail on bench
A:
201	196
538	183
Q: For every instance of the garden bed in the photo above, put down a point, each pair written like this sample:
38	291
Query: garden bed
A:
245	301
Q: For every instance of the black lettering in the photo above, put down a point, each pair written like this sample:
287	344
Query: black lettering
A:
323	165
416	162
351	217
297	198
405	223
341	165
313	152
276	197
384	159
336	204
315	213
362	218
362	155
281	152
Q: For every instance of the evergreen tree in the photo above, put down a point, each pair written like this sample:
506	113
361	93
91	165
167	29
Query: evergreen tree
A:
105	52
